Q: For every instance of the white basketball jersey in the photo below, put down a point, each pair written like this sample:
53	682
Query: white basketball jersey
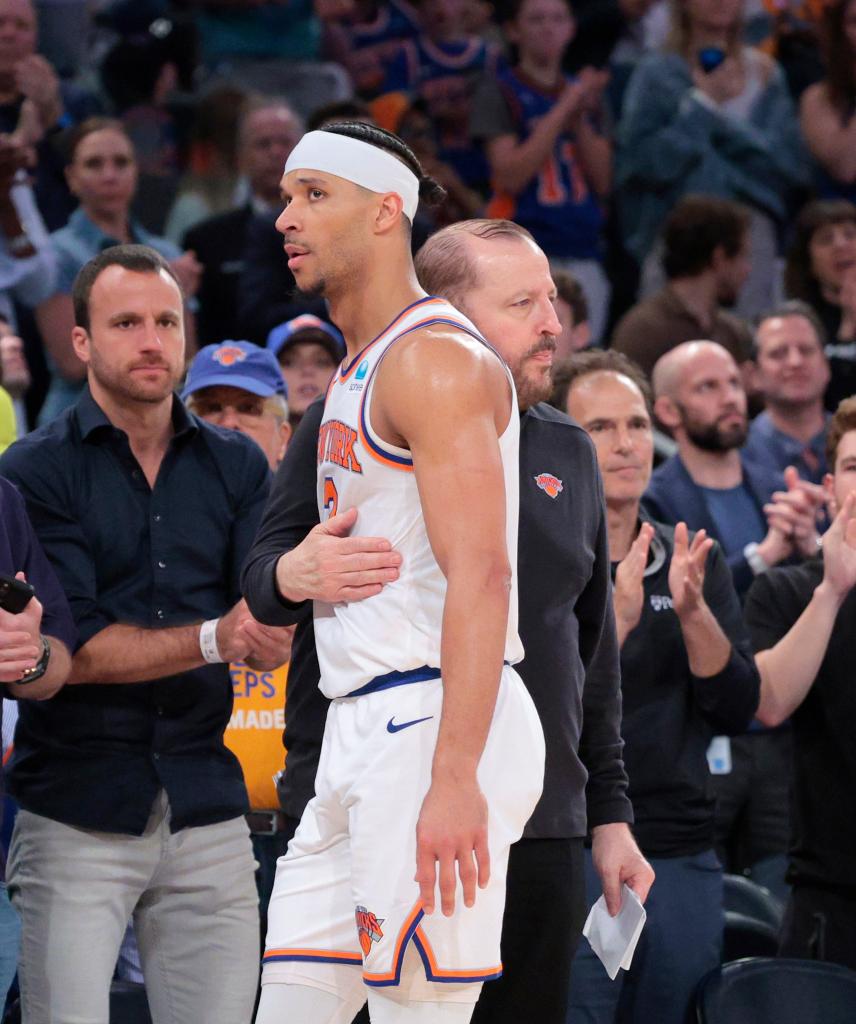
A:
399	629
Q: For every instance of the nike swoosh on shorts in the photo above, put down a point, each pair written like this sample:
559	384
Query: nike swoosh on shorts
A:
392	727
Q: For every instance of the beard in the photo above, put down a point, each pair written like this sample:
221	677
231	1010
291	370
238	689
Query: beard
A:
120	384
316	289
711	437
533	384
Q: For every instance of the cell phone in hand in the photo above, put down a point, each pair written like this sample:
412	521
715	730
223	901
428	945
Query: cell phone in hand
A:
14	594
709	58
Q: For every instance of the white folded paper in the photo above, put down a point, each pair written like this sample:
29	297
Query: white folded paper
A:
614	938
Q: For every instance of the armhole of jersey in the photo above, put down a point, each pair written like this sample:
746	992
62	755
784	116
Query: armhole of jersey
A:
401	458
387	454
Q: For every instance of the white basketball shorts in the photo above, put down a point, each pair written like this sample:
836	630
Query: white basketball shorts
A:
345	892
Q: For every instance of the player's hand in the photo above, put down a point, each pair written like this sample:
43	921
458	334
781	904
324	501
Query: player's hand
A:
628	593
328	565
617	859
686	572
20	639
452	833
270	646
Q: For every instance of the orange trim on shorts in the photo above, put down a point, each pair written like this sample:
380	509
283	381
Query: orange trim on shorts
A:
323	956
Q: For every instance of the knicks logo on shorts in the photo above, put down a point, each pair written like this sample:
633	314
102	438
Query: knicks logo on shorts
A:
368	929
228	355
550	484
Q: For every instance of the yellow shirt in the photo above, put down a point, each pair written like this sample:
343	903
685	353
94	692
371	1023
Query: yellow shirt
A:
254	732
8	429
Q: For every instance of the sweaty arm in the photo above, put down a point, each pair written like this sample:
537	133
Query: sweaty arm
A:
448	399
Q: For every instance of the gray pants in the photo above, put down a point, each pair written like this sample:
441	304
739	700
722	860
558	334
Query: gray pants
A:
193	900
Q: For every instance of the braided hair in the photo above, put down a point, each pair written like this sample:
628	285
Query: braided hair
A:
431	192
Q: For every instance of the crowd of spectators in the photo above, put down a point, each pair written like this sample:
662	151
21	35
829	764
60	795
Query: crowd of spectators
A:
689	169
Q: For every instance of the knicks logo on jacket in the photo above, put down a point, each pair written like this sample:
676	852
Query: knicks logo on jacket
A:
336	442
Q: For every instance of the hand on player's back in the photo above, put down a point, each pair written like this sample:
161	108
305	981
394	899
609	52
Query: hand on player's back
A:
331	566
452	829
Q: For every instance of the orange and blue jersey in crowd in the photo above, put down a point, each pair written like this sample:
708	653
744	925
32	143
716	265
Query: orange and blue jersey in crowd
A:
373	43
558	206
444	76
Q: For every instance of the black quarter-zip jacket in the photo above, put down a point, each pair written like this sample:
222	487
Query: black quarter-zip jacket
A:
566	622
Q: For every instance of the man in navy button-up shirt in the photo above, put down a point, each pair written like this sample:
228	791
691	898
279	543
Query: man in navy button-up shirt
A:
146	513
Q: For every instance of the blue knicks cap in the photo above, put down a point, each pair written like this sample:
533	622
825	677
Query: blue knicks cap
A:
235	364
307	328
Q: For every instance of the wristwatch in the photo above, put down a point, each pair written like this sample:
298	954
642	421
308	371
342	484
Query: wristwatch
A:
755	559
38	670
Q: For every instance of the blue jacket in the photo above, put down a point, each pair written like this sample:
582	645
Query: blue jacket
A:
671	143
673	496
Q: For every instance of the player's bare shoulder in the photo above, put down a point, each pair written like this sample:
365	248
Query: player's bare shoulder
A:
443	367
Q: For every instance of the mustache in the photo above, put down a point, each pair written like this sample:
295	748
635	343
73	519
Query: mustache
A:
546	344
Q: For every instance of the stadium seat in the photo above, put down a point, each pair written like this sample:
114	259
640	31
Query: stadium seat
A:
746	936
743	896
762	990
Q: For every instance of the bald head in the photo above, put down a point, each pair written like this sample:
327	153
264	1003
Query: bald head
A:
699	396
671	368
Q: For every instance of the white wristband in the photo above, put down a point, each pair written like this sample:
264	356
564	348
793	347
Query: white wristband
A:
208	642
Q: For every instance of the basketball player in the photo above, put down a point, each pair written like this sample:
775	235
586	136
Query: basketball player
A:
433	755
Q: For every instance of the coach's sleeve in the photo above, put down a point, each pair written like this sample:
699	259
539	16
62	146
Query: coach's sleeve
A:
291	512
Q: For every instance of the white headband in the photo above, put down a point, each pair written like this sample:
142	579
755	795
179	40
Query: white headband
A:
359	162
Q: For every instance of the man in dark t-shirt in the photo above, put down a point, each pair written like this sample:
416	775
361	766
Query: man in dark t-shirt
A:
802	620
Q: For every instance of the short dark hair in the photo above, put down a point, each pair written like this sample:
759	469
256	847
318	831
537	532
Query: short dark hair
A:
571	291
140	258
596	360
695	228
791	307
800	281
842	422
431	192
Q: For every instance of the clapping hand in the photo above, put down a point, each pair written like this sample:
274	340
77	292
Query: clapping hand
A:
686	573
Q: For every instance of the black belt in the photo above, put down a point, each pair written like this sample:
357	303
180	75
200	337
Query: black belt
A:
266	823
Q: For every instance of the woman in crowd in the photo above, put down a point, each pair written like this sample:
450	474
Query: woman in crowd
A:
102	174
550	162
713	116
821	270
828	108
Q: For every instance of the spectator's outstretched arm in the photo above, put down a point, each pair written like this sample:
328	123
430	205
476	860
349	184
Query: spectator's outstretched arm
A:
789	667
831	140
728	695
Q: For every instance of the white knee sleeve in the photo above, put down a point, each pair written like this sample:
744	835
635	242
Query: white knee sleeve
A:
287	1004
